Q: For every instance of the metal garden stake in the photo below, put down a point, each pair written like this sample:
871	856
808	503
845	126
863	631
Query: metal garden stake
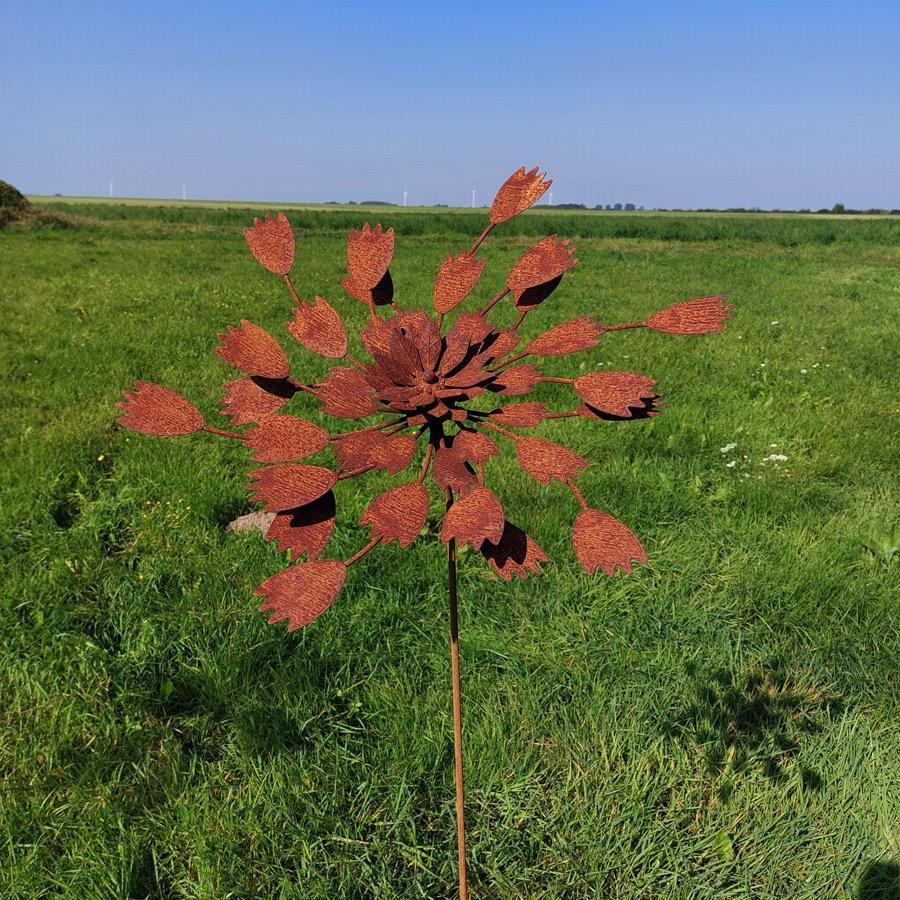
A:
419	382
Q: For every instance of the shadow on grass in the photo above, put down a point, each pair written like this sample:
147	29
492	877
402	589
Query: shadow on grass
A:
880	881
227	509
147	882
258	723
752	721
301	700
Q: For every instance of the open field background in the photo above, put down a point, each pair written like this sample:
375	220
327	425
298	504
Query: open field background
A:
61	200
723	724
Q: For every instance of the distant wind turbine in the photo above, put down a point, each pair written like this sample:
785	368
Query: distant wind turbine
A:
184	192
550	198
404	196
110	189
473	199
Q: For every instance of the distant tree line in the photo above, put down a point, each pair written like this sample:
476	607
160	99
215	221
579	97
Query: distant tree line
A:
840	209
837	209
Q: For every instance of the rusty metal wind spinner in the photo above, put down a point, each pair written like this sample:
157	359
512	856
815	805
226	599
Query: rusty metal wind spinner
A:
420	381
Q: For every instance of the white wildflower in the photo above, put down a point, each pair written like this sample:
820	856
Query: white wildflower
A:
731	464
727	448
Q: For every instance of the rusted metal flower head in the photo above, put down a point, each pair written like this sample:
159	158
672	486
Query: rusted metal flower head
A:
416	387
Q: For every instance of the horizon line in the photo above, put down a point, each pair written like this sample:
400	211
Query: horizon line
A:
570	207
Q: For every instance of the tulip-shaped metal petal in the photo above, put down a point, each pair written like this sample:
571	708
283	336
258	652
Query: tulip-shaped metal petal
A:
305	529
546	461
602	541
521	190
319	328
474	446
254	350
369	254
271	241
521	415
285	438
615	392
474	518
347	394
369	448
250	399
449	469
705	315
570	337
516	380
456	279
154	409
399	514
289	486
303	592
546	261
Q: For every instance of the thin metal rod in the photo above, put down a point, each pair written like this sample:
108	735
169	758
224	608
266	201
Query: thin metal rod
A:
494	302
457	713
483	423
625	326
381	427
521	318
294	296
222	433
353	473
361	552
481	237
429	451
501	364
578	495
304	387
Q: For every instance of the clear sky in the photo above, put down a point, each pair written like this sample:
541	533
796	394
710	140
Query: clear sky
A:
786	105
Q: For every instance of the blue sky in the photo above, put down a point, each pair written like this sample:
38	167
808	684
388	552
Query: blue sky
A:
686	104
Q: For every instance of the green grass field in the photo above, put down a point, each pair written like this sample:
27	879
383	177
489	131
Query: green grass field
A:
723	724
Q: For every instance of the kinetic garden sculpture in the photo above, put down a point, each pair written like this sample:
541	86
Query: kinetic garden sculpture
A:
421	380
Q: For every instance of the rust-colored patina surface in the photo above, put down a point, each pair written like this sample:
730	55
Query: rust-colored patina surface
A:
448	393
415	390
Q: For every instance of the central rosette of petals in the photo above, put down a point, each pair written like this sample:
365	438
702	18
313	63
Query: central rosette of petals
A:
418	373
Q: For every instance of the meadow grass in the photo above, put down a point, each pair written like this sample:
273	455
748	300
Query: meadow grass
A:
722	724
